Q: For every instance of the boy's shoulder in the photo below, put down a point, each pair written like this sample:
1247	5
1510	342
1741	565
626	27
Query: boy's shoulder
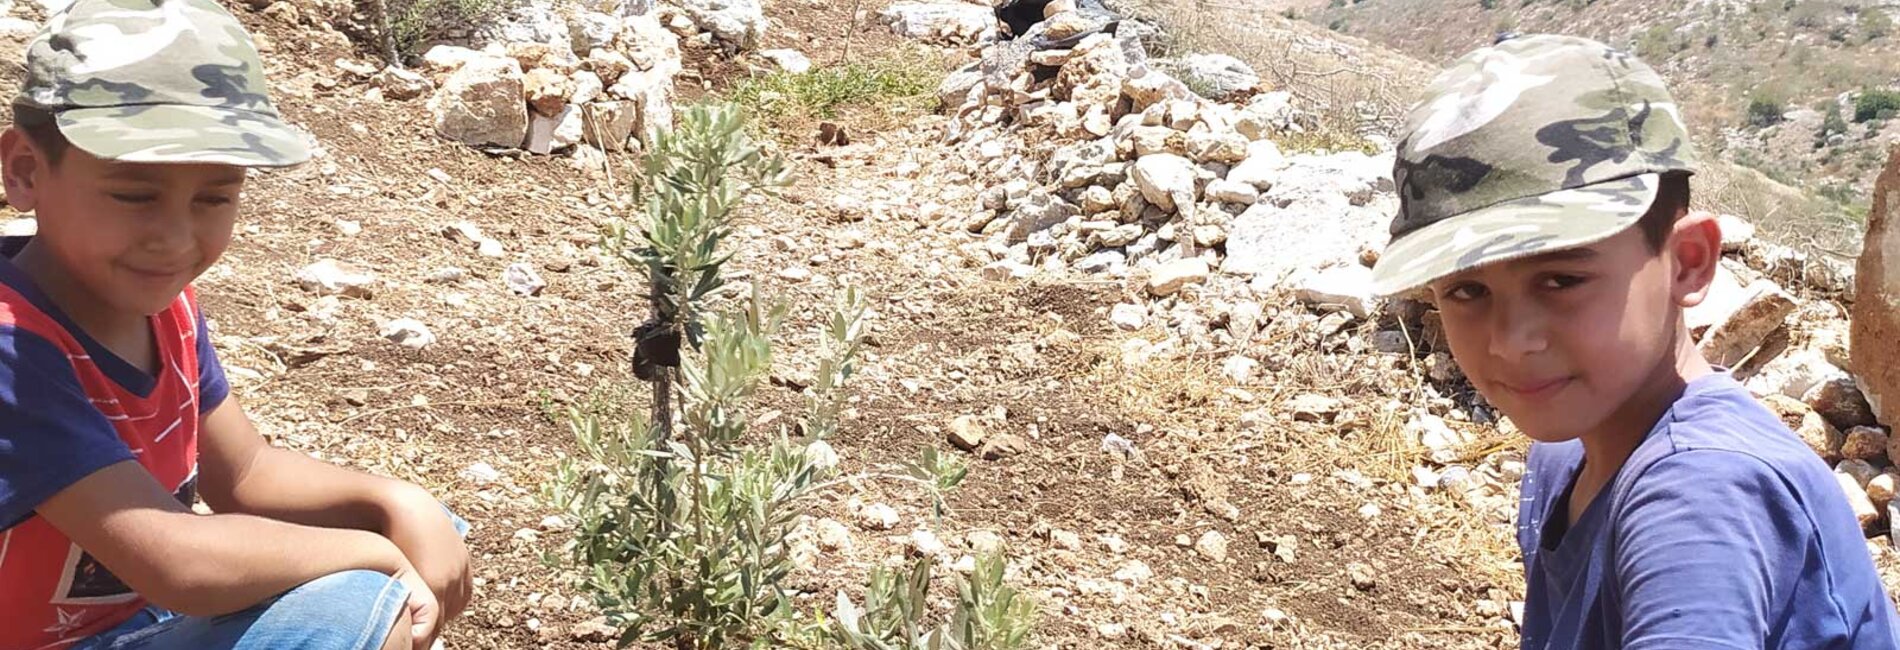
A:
1716	414
1717	443
1716	432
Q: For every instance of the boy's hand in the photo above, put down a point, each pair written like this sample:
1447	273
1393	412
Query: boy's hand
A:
425	612
422	530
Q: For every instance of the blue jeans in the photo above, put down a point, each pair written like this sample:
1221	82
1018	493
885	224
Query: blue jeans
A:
350	610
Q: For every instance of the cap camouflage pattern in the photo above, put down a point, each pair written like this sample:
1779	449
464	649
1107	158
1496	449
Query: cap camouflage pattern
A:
157	81
1535	144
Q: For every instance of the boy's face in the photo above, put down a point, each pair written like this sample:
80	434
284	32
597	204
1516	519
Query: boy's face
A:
130	235
1568	342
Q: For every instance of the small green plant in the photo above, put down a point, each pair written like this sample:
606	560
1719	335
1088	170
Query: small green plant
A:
784	100
1765	109
413	24
1873	23
989	614
681	526
1876	104
1831	124
939	474
893	614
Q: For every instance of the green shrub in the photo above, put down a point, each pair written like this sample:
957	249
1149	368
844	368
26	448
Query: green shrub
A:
413	24
784	100
1765	110
1830	124
989	615
1874	23
681	528
1876	104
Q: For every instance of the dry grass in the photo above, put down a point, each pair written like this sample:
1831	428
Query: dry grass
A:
1356	89
869	94
1780	213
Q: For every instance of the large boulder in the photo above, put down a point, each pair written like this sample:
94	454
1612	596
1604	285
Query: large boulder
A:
1271	242
399	84
1764	311
1166	181
1725	295
649	46
1332	180
1092	78
957	86
608	124
1341	288
739	23
1216	76
1038	211
546	91
1875	335
444	59
951	23
481	104
536	21
591	29
1263	164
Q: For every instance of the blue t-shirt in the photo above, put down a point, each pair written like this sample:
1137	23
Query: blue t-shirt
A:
1722	530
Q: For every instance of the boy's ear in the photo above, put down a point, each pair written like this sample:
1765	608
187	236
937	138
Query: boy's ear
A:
20	162
1695	249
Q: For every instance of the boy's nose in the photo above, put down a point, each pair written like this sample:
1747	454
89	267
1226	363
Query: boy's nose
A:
169	229
1518	329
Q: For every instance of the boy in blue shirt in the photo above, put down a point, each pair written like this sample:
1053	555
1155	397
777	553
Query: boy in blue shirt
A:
133	131
1544	197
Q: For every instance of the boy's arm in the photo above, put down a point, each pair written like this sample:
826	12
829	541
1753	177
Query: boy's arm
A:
201	565
238	472
1705	539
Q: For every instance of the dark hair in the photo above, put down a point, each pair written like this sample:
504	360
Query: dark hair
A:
43	129
1672	202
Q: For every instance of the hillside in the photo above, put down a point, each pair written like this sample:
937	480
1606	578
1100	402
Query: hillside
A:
1756	77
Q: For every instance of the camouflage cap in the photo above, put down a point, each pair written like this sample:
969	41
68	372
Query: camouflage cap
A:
1535	144
165	81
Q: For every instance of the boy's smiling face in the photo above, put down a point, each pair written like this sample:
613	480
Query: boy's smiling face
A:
128	237
1575	341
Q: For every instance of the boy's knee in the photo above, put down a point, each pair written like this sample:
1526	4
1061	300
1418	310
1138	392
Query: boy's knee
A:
348	609
398	637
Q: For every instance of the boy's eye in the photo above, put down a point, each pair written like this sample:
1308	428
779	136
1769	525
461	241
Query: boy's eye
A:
1466	291
1560	281
215	200
128	197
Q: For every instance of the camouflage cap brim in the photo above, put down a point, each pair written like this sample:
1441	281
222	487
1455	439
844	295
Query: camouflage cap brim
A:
1512	230
176	133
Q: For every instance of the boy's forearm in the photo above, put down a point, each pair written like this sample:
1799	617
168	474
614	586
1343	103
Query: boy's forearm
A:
289	486
229	562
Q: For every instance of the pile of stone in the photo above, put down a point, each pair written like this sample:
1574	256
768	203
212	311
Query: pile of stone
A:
1128	171
606	83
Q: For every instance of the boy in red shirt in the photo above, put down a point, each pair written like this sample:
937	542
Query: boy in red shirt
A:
131	138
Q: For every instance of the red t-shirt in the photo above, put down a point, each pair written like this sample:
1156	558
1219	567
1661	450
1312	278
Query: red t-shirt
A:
68	408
